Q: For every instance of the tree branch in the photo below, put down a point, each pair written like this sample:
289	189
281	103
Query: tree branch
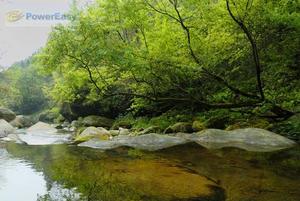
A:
186	29
254	51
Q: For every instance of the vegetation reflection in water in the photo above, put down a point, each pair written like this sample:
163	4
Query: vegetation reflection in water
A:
172	174
117	175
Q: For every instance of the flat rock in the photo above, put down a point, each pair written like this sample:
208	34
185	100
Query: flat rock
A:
44	138
149	142
100	144
153	142
250	139
43	134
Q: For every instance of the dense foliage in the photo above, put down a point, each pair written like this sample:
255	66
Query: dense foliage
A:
161	55
21	88
148	58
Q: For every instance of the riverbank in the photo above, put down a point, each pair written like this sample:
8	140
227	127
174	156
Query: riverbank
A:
156	133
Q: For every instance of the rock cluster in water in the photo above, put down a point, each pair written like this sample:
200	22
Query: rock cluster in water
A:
149	142
250	139
43	134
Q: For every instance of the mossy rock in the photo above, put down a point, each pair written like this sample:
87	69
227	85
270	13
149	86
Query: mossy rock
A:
151	129
59	119
81	139
79	130
22	122
97	121
198	126
180	127
93	132
7	114
289	128
217	122
122	124
260	123
76	124
49	116
254	123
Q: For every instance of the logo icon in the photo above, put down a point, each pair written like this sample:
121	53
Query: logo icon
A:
14	15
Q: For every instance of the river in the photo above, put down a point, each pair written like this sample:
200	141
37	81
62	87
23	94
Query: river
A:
183	173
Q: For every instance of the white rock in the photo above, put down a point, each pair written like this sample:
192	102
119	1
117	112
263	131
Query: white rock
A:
250	139
42	127
149	142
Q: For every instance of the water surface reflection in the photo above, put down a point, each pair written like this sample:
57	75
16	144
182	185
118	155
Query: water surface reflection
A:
183	173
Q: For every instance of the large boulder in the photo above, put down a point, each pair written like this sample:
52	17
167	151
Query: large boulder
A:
43	134
153	142
22	122
250	139
49	116
181	127
67	113
149	142
97	121
100	144
5	128
7	114
93	132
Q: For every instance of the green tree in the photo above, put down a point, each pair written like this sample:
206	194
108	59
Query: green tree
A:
185	54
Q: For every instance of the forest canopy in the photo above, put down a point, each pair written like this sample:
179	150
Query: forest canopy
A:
149	57
22	88
172	53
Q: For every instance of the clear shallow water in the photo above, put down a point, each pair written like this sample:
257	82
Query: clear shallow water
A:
11	184
20	181
189	172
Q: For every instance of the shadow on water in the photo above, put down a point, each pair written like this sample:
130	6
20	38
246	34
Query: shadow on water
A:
183	173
